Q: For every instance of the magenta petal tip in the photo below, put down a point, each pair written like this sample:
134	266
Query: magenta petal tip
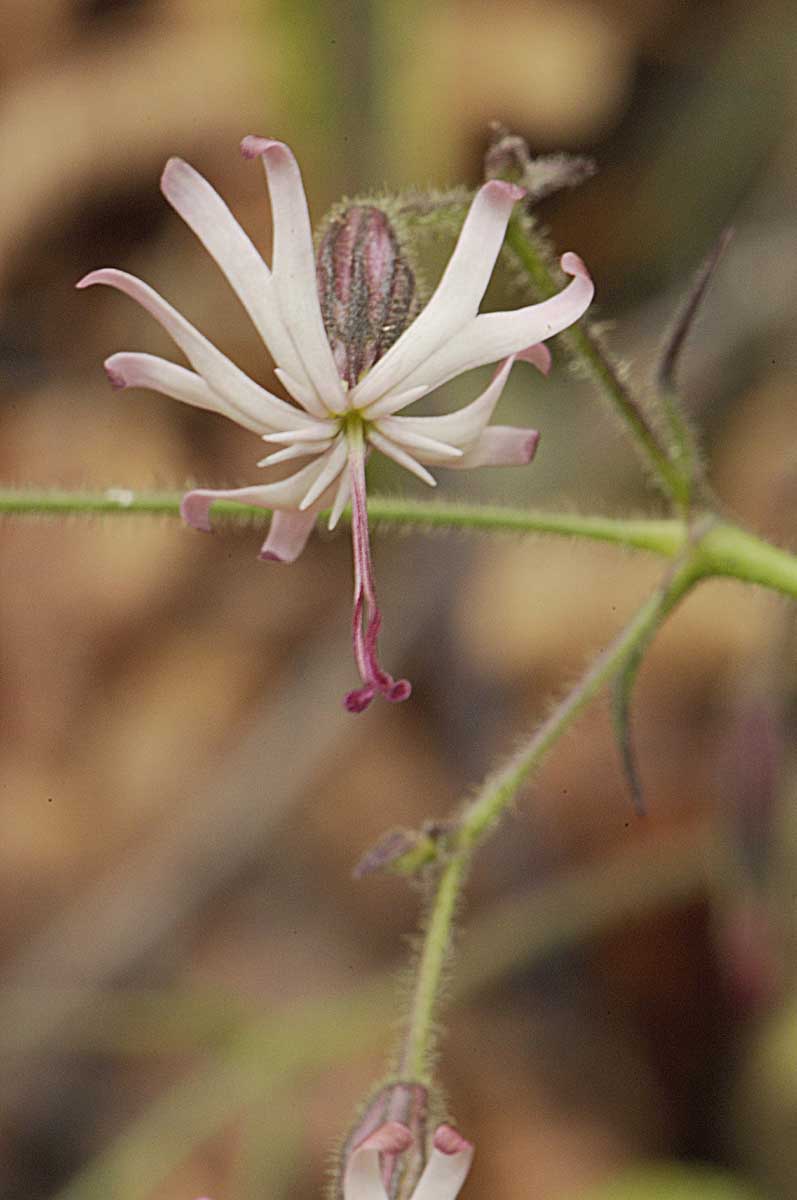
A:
574	265
449	1140
270	556
501	187
253	146
115	378
531	444
391	1138
195	511
172	165
538	355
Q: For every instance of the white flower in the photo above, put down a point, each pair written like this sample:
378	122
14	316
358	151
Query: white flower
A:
335	421
441	1179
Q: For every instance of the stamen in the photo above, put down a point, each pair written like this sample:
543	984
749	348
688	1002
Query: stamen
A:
366	617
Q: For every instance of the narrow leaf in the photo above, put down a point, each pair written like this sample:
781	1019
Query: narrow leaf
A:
621	692
685	318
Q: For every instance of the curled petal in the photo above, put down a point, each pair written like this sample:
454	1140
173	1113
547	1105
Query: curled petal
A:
285	493
293	267
460	428
287	536
458	295
447	1168
256	407
539	356
363	1177
204	211
128	369
500	446
493	336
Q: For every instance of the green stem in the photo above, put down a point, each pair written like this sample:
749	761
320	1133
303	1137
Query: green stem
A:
583	346
733	552
431	968
482	814
660	536
726	550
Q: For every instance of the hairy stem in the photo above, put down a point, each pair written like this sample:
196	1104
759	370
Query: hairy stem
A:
481	816
431	969
662	536
726	550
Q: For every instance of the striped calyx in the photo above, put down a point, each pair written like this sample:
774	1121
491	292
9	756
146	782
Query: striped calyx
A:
366	288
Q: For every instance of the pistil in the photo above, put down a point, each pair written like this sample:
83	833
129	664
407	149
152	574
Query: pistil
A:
366	617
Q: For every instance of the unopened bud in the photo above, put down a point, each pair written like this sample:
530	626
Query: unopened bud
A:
408	1105
401	851
508	157
366	288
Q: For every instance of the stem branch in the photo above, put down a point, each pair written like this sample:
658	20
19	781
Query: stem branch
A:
482	814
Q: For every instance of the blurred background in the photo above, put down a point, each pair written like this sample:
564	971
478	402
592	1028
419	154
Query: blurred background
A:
195	994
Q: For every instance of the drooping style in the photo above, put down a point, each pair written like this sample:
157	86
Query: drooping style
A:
349	353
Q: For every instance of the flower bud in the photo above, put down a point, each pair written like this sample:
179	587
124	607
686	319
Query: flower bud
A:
366	288
408	1105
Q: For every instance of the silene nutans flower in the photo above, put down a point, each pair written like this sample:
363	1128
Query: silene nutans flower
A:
352	351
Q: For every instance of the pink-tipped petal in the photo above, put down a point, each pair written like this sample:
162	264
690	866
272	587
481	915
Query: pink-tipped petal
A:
293	268
449	1140
195	508
204	211
493	336
461	428
362	1179
539	356
447	1168
501	446
130	369
254	405
285	493
457	297
287	536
